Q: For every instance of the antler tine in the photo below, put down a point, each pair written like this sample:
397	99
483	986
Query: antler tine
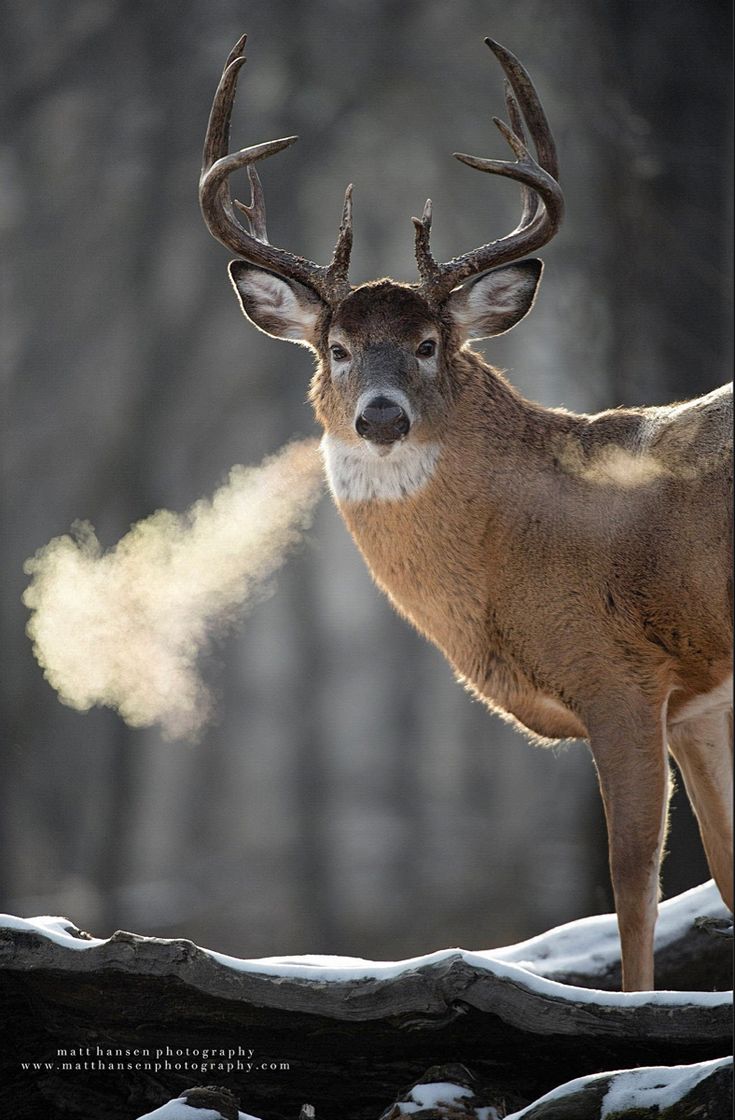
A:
529	201
255	211
531	107
428	267
340	264
218	209
217	139
543	202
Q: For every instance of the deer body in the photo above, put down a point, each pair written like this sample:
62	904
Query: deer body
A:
574	570
520	566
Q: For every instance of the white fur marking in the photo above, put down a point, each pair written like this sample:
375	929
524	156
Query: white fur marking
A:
494	303
275	297
356	474
621	467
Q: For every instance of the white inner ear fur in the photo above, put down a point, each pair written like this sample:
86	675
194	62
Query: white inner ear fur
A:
494	304
276	306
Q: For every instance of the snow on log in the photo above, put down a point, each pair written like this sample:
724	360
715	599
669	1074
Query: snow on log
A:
207	1102
128	1022
692	1092
695	1092
664	1092
693	946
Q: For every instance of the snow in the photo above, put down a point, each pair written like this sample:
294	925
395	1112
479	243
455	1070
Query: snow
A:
592	944
654	1085
180	1110
53	928
432	1096
588	943
574	946
645	1088
349	969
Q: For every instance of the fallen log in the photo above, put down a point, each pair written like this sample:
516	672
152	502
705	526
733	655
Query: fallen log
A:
117	1026
694	1092
687	1092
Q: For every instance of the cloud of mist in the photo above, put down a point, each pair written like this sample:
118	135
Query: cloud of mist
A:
124	628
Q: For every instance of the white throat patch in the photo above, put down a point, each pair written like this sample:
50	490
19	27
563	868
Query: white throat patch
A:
357	474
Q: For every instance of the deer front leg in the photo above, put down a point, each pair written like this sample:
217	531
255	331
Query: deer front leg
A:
632	766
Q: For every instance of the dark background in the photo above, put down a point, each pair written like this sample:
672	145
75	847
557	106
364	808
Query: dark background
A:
300	822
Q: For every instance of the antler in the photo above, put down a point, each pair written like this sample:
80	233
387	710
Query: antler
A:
330	281
542	199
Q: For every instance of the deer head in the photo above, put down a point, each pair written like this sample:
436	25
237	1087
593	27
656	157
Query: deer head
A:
387	369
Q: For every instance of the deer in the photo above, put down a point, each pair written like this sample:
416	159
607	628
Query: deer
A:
573	569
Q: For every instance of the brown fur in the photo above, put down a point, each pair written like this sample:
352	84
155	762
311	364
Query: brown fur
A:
573	569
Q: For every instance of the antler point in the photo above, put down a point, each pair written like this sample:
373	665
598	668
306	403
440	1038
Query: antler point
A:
233	68
218	207
347	208
542	199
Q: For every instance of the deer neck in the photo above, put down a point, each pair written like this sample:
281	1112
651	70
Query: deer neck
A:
432	525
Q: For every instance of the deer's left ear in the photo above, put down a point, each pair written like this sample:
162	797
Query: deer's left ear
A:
281	308
495	302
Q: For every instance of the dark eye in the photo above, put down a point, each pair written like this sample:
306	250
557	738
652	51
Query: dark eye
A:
338	352
427	349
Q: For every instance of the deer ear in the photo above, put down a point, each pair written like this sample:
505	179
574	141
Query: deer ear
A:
281	308
495	302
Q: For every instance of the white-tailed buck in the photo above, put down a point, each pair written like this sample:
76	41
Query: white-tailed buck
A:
573	569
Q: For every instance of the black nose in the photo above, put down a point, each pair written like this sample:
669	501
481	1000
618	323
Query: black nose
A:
382	421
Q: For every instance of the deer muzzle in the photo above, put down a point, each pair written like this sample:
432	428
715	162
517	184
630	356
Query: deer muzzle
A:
382	420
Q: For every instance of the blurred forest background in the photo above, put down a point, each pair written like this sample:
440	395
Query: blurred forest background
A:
301	822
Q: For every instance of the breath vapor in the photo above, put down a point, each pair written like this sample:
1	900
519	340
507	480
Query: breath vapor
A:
125	628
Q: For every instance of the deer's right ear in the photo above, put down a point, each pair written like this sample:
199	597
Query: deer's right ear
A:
493	303
280	308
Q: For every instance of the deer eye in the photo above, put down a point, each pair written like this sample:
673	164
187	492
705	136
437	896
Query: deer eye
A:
338	352
427	349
